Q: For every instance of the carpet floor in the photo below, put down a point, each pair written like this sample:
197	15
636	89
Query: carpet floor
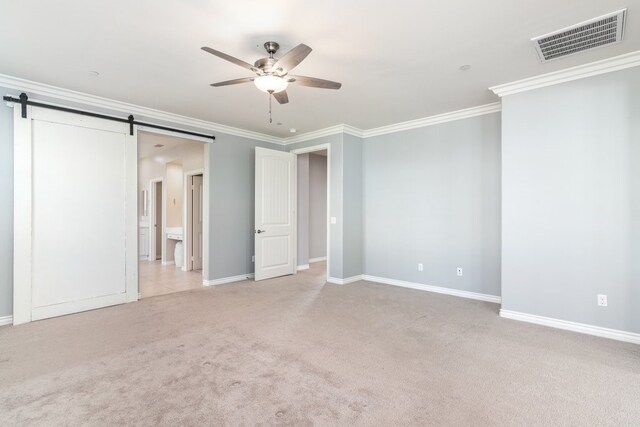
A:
298	351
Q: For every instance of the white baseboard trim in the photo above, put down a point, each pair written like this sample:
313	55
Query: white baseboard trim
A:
322	258
6	320
437	289
168	262
231	279
303	267
337	281
581	328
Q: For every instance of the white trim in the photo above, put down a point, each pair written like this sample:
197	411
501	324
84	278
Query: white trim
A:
466	113
187	263
437	289
231	279
206	267
302	267
168	262
62	94
312	149
581	328
153	198
608	65
331	130
6	320
319	259
345	281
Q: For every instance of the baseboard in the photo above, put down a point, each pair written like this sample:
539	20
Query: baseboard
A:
312	260
303	267
168	262
345	281
224	280
437	289
6	320
581	328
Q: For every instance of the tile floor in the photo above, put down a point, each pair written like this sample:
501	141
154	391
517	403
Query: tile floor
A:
158	279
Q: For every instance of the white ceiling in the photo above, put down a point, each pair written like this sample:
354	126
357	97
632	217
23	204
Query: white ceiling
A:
148	140
397	60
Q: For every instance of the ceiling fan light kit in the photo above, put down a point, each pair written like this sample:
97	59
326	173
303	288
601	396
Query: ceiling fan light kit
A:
271	83
273	74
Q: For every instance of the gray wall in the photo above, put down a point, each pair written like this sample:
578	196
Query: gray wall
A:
353	209
6	210
303	209
231	183
317	207
432	196
335	230
571	200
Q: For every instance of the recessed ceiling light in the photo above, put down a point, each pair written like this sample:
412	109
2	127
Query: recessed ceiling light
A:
292	130
93	73
465	67
159	145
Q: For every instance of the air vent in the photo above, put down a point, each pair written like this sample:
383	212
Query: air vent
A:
601	31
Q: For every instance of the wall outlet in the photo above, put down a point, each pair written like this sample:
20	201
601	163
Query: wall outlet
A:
459	271
420	266
253	258
602	300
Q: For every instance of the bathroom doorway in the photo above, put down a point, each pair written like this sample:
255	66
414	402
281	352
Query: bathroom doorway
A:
171	171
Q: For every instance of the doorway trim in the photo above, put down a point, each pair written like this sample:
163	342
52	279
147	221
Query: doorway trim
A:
187	225
205	198
312	149
153	244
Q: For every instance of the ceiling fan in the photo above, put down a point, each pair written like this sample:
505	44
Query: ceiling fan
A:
273	74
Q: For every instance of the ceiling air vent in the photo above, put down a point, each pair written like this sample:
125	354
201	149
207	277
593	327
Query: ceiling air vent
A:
600	31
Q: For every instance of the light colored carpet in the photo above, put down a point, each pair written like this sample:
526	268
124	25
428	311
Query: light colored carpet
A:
297	351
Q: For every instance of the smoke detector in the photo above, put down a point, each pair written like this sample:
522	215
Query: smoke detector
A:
597	32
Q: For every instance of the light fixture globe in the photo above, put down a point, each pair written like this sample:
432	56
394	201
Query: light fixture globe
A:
271	84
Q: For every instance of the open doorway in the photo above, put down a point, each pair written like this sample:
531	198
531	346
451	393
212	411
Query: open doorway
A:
313	210
169	170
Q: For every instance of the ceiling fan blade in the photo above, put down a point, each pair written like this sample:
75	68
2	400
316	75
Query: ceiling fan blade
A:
230	59
313	82
292	58
233	82
281	97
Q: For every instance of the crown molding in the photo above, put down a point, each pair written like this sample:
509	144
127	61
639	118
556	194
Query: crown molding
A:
608	65
434	120
40	89
332	130
397	127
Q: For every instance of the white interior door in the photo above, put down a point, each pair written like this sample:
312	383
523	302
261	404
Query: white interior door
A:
77	230
275	215
196	213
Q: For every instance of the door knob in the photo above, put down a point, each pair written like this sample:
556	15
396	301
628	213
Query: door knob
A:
261	231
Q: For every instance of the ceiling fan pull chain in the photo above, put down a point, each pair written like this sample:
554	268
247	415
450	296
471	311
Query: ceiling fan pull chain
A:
270	119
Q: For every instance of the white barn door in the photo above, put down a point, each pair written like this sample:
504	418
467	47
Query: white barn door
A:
275	215
76	211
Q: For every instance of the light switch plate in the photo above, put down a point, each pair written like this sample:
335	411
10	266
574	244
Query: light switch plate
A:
334	220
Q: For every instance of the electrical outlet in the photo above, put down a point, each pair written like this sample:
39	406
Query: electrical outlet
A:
459	271
253	258
420	266
602	300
